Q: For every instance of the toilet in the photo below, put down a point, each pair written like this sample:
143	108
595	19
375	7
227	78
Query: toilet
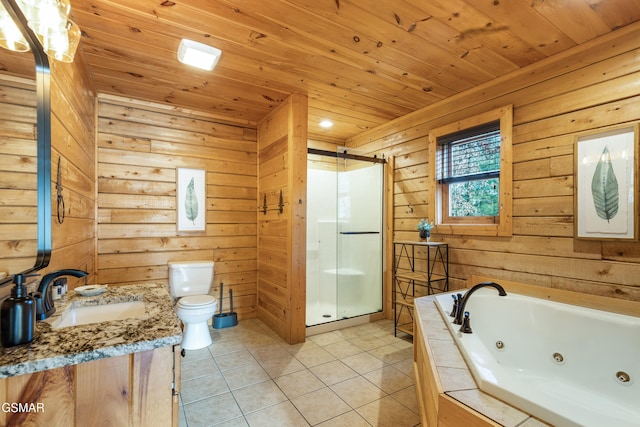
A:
190	282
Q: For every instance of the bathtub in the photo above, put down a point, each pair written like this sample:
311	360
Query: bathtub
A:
564	364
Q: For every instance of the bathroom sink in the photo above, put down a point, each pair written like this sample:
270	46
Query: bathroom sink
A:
74	316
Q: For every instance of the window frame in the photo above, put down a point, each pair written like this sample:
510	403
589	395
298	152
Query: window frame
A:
502	224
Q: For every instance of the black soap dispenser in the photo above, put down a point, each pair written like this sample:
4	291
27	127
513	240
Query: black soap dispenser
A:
17	315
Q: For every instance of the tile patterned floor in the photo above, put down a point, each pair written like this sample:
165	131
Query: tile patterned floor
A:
359	376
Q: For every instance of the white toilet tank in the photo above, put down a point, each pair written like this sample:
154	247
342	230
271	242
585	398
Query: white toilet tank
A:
190	278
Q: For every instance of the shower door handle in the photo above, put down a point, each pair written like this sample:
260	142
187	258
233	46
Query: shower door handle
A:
359	232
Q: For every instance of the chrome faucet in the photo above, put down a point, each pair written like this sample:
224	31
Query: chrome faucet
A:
462	301
44	299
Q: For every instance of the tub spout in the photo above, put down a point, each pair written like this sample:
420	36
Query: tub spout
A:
463	302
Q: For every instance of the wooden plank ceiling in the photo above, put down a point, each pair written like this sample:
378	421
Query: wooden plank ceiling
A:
361	62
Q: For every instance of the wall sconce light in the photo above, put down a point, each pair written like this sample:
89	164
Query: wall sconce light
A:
62	45
10	36
198	55
48	19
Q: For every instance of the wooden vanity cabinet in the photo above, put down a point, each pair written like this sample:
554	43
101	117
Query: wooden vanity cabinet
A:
138	389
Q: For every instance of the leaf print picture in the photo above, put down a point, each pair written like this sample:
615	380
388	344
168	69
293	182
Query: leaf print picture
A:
604	188
191	202
191	199
604	184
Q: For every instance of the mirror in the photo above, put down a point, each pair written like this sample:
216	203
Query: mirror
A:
25	156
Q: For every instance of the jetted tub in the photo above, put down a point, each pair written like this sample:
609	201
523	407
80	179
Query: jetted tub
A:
565	364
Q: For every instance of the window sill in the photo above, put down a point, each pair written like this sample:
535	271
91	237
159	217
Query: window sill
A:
502	230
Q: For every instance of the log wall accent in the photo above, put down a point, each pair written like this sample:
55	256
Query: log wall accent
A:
140	145
587	88
73	143
282	169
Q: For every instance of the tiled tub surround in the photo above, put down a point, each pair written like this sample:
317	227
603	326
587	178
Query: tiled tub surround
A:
455	379
445	385
567	365
54	348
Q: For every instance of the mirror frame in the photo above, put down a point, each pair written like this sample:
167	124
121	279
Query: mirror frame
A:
43	134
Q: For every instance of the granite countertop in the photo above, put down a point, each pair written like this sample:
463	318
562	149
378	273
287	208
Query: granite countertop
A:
455	377
54	348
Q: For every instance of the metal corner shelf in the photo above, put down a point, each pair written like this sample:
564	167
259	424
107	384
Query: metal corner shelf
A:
419	269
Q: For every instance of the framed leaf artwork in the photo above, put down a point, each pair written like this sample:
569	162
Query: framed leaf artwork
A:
191	199
606	183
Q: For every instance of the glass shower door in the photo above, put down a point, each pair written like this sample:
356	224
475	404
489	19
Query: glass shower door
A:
359	211
321	241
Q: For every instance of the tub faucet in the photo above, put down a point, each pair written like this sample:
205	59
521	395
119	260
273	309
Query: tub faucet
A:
457	299
462	302
44	300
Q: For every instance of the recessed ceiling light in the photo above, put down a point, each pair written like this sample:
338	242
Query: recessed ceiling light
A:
198	55
326	124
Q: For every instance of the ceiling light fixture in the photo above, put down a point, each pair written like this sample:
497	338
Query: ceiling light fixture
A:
198	55
326	124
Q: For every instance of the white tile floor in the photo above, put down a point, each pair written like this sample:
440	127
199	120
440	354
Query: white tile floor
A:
360	376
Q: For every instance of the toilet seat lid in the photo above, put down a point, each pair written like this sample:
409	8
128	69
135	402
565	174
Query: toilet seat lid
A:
194	301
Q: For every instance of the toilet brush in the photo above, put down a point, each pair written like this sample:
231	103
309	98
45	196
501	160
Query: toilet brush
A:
225	320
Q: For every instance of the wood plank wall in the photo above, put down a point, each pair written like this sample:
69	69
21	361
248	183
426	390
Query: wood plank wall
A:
282	170
140	145
588	88
18	180
73	142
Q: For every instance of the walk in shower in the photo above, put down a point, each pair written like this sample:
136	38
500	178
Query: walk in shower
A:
344	235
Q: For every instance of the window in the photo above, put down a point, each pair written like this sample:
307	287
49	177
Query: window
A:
471	166
468	168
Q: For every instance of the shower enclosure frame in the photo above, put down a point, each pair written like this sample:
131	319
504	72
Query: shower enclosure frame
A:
386	212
